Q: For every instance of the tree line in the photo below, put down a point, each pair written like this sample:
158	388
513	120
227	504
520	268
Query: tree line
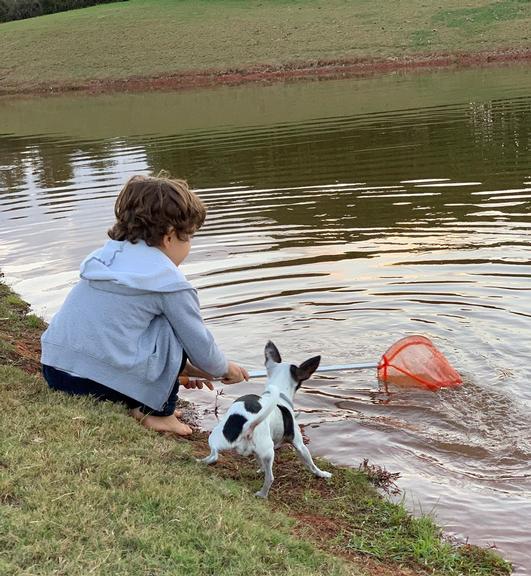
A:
20	9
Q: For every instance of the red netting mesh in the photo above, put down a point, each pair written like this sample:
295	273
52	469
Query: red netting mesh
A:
414	360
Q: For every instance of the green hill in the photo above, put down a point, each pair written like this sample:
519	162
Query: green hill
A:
146	38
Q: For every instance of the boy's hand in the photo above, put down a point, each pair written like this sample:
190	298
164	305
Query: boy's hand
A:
235	374
193	383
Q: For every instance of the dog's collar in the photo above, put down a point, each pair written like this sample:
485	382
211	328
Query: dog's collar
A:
287	400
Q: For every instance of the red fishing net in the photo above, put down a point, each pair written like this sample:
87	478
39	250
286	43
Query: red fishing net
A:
414	360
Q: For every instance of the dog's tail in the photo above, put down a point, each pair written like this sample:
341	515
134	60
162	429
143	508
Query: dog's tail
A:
269	402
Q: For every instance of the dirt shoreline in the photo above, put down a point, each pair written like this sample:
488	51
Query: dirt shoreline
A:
319	69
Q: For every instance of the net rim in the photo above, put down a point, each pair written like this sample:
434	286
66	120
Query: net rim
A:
405	342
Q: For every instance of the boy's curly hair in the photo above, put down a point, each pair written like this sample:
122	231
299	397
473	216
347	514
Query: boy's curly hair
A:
149	207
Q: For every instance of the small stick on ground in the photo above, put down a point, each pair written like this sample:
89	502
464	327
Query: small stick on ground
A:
216	406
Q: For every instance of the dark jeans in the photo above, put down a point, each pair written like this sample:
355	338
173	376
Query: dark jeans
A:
59	380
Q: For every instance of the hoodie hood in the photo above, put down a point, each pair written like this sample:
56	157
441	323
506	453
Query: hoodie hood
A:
137	266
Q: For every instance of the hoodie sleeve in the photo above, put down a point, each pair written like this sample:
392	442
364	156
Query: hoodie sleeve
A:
183	312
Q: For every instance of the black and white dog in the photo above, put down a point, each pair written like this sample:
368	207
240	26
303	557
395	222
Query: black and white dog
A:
258	424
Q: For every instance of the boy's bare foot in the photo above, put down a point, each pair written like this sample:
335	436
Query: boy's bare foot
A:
178	413
162	423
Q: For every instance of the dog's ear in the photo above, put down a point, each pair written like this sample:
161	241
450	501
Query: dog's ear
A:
306	369
271	353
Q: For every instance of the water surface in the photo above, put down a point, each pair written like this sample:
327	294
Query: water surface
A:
343	215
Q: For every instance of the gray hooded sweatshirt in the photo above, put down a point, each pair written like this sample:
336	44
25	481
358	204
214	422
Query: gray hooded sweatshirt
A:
126	323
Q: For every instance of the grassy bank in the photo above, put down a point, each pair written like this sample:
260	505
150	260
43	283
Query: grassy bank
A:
85	490
204	41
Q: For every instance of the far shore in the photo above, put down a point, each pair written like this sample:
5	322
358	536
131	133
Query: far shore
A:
266	74
143	45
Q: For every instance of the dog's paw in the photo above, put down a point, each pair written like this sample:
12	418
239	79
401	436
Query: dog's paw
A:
324	474
208	460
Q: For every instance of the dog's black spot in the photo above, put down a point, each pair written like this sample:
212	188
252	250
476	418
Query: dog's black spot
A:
233	426
251	403
287	419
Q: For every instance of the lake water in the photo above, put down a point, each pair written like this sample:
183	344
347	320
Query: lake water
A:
343	215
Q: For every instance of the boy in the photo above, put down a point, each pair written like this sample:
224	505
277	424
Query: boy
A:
127	329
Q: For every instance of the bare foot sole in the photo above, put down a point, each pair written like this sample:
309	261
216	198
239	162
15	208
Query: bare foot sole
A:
162	423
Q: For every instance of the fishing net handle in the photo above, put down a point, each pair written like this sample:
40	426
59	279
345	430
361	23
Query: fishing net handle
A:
331	368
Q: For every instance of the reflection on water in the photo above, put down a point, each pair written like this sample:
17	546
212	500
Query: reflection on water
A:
343	215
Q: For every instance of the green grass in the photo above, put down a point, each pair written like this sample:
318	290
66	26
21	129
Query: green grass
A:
14	312
19	331
473	19
85	490
158	37
421	540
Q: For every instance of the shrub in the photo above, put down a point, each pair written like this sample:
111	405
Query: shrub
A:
19	9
